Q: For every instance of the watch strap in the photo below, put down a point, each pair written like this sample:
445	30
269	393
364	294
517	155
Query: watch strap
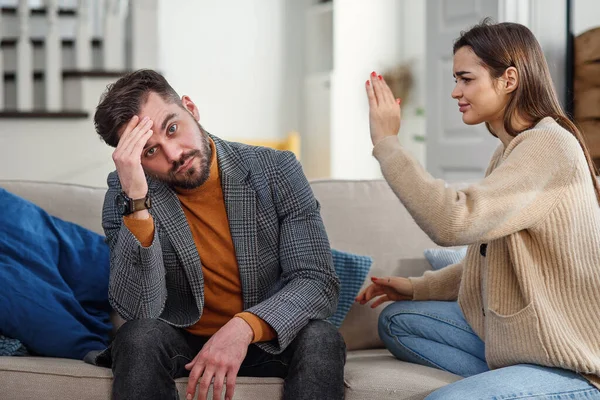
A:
140	204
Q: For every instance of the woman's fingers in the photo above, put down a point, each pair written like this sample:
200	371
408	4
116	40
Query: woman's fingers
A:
371	94
380	300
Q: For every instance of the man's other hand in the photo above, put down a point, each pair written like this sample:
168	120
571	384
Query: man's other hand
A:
220	358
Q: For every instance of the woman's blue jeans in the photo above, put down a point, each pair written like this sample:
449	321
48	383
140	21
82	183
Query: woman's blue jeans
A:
436	334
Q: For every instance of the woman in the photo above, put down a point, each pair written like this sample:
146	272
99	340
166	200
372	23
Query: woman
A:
527	321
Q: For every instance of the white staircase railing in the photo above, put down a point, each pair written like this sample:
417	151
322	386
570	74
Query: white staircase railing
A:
1	72
114	29
24	72
105	22
53	45
83	50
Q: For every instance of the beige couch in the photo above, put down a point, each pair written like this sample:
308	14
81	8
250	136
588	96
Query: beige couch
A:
363	217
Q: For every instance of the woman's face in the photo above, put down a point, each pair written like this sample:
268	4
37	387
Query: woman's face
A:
478	95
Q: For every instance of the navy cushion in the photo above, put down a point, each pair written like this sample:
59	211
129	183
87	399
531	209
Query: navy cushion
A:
54	275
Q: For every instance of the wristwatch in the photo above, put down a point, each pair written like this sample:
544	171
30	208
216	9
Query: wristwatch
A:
126	205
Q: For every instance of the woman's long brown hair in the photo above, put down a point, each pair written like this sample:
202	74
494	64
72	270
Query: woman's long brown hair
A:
504	45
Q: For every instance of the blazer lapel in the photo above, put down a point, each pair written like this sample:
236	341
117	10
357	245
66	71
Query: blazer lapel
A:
167	209
240	203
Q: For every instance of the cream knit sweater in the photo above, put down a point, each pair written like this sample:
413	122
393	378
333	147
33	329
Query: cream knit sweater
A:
537	211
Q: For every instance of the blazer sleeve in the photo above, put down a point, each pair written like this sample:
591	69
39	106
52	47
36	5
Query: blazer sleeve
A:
137	287
310	285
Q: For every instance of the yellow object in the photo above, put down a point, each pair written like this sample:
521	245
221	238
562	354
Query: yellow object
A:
291	143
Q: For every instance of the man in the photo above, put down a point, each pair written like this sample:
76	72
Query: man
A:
220	261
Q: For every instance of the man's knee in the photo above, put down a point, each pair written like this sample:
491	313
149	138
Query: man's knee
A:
140	336
320	337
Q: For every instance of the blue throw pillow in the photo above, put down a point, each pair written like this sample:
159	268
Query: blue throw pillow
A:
352	270
441	257
54	274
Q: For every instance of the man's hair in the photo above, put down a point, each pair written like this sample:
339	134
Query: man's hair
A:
124	98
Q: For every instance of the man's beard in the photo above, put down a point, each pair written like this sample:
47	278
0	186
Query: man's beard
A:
193	177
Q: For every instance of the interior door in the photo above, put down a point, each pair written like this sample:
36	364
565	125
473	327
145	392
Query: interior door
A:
455	151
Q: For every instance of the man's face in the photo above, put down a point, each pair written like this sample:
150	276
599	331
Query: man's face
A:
178	152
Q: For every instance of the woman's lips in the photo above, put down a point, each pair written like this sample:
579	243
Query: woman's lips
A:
463	107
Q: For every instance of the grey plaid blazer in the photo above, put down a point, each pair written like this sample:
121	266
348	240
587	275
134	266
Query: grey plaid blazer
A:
281	246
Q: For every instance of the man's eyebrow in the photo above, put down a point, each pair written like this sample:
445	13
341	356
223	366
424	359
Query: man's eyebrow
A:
166	120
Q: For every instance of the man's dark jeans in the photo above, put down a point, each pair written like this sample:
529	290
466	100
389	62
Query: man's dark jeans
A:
147	355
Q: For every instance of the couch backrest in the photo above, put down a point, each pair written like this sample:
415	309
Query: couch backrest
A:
363	217
366	217
75	203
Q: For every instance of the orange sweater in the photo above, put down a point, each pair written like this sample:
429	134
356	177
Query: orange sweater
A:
204	209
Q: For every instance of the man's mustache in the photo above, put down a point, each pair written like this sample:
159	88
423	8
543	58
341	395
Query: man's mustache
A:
183	159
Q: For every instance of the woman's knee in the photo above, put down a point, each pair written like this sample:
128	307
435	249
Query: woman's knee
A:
394	320
450	393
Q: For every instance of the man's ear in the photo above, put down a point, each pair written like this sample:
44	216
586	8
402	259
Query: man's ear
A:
510	80
189	105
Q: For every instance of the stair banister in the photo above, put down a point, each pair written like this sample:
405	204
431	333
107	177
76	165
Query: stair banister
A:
53	60
24	60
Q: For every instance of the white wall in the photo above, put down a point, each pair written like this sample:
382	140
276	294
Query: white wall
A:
58	150
586	15
368	35
229	56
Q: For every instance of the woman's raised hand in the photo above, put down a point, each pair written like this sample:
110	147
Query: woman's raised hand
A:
390	288
384	109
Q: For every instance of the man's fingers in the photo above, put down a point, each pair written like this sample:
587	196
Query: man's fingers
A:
193	379
205	383
137	149
218	385
191	364
230	389
126	135
135	136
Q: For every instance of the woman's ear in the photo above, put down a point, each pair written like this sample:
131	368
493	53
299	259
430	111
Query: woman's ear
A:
510	80
189	105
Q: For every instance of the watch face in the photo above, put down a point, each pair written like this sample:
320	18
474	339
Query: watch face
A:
122	204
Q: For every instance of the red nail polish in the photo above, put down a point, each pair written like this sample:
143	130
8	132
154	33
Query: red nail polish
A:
398	101
373	278
368	83
373	73
380	77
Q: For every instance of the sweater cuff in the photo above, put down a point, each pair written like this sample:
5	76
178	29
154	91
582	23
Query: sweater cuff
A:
262	331
442	285
420	288
142	229
386	147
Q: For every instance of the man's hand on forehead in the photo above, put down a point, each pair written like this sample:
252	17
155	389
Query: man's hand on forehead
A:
128	156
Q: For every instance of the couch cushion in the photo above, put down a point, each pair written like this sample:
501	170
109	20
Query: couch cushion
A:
370	374
377	374
32	378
